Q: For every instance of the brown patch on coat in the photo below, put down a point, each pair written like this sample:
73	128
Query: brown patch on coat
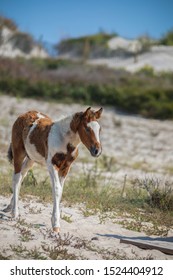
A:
20	131
76	121
39	135
62	161
58	159
17	143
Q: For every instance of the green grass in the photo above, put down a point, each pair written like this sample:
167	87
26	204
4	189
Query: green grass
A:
5	183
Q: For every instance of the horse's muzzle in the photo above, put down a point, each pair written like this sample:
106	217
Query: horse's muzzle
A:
95	151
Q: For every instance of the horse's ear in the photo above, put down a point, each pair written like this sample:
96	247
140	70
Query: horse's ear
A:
85	114
98	113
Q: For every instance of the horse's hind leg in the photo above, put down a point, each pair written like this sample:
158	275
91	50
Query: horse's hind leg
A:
21	168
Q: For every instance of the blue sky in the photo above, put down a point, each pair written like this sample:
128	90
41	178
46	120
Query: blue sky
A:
53	20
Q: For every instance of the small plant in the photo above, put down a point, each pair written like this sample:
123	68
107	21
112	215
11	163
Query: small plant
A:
35	210
157	230
67	218
21	222
160	193
107	163
22	251
5	183
60	250
81	243
24	229
30	179
35	254
88	212
132	225
18	249
26	234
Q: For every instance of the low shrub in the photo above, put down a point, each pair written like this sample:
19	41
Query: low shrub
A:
160	192
22	41
143	93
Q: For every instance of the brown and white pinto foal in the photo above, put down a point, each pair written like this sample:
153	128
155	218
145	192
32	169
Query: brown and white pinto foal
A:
36	138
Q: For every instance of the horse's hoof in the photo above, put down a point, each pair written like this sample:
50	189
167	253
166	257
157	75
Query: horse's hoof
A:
56	229
14	215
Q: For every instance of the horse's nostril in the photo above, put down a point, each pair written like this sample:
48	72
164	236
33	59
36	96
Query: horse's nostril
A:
95	151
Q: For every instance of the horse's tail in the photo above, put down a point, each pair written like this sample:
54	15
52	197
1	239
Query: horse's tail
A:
10	154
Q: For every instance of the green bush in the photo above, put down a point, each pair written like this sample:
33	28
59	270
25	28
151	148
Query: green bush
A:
86	45
22	41
147	70
49	63
143	93
167	39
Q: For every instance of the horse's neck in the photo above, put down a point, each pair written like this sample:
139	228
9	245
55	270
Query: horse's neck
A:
64	130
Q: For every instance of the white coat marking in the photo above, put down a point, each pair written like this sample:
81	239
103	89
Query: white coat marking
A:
96	128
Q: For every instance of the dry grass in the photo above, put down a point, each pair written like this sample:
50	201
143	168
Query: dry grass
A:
143	200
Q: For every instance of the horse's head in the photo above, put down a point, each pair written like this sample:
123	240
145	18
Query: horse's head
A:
89	130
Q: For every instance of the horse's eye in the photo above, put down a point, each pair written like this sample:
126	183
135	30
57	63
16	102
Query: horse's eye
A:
87	129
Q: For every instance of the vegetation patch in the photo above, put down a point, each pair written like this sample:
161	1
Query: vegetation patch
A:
6	22
145	92
22	41
148	200
87	46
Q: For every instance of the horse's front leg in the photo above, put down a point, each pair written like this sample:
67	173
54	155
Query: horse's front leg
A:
57	189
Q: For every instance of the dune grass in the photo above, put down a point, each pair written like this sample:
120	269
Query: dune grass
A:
133	205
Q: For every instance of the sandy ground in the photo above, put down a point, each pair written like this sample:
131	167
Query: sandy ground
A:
84	237
139	148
